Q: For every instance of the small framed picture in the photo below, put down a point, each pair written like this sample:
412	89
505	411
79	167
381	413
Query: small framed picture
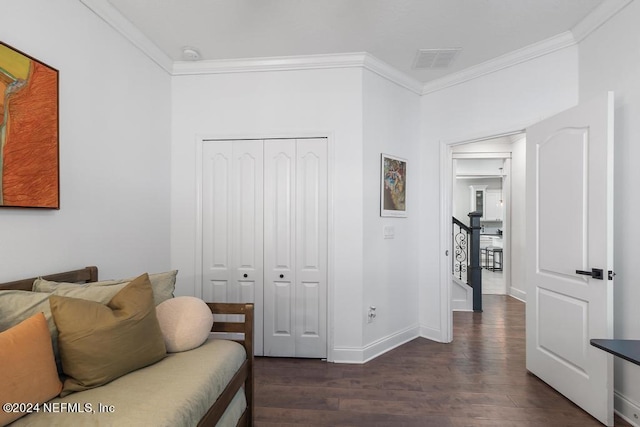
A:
393	186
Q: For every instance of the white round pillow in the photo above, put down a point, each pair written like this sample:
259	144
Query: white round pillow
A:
185	323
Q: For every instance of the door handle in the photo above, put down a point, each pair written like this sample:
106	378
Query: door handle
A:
282	276
595	273
245	275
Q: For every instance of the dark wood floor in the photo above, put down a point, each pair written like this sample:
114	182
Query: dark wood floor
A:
478	380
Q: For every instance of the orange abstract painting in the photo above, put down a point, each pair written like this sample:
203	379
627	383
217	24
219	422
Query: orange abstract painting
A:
29	173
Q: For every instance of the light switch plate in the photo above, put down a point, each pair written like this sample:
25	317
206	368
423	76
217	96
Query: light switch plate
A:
389	231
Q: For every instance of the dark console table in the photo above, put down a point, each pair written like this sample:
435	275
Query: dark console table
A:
627	349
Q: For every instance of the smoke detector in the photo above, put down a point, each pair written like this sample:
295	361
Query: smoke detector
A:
190	54
435	58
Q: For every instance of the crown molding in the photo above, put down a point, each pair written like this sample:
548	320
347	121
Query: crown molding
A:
104	10
599	16
510	59
302	62
588	25
275	63
392	74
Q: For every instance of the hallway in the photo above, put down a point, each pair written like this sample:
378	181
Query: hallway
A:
493	282
478	380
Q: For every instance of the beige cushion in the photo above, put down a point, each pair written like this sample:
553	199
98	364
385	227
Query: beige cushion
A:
163	285
27	369
185	323
99	343
175	392
16	306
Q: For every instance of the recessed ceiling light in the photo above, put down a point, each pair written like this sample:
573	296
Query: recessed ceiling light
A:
435	58
190	54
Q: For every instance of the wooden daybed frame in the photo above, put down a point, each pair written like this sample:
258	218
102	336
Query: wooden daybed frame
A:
244	376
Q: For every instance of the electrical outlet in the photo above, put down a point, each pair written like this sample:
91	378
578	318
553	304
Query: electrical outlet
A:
371	314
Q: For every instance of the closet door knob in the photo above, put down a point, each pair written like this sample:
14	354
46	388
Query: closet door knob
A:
282	276
245	275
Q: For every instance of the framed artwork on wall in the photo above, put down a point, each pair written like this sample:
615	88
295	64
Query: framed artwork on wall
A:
393	186
29	156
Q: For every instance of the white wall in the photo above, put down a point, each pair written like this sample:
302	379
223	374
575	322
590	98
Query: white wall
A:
284	103
610	60
504	101
114	149
518	219
391	126
461	200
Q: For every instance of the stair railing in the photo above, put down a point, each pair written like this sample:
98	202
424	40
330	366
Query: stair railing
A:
460	246
466	255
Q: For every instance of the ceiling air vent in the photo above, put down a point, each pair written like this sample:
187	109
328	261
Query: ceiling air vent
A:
435	58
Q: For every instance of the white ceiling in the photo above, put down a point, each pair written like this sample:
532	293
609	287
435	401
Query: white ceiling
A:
390	30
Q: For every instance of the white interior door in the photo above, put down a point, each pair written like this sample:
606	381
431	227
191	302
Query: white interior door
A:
570	229
295	227
232	212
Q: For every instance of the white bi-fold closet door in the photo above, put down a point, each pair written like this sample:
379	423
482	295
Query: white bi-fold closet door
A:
264	216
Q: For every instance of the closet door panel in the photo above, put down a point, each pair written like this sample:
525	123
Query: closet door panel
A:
247	226
216	217
282	306
232	214
309	303
247	215
248	209
279	240
311	250
282	210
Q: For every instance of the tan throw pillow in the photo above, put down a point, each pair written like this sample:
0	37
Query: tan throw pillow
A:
163	285
185	323
99	343
27	370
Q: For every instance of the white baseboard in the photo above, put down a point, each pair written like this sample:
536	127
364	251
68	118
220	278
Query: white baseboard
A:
347	355
626	409
389	342
375	349
431	334
458	305
518	294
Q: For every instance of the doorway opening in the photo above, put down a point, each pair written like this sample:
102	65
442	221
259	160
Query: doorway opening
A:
488	174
